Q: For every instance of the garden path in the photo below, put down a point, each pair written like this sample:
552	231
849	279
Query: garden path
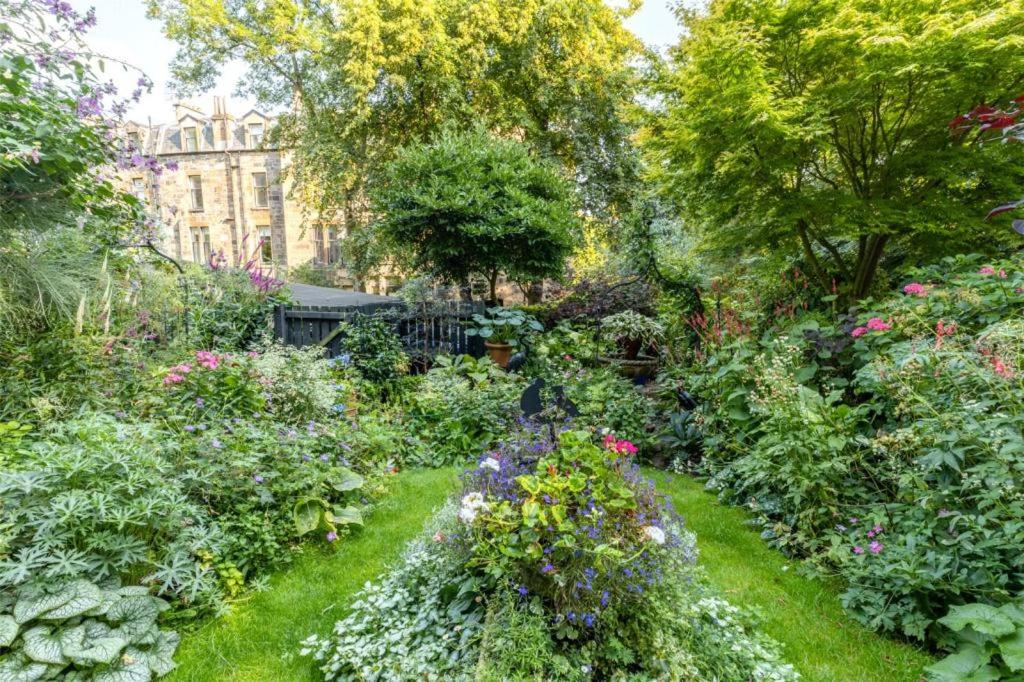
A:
802	613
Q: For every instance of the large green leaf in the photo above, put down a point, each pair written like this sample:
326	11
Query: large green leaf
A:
986	619
135	616
35	603
347	480
1012	649
158	656
307	514
125	670
42	646
969	662
347	516
8	630
85	596
19	669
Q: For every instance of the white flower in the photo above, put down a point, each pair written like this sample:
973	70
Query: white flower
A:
473	501
655	534
490	463
467	515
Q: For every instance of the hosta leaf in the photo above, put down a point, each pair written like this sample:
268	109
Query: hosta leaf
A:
986	619
347	480
347	516
86	596
34	604
42	646
159	655
125	670
307	513
134	615
8	630
20	669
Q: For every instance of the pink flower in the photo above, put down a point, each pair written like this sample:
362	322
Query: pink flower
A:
876	547
609	442
877	324
987	270
857	549
915	289
1001	368
859	331
207	359
1002	274
625	447
173	378
183	368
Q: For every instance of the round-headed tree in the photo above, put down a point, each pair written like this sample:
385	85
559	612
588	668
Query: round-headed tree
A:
470	204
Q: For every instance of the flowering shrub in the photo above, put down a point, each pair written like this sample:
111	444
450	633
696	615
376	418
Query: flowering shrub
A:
298	383
212	384
887	448
558	562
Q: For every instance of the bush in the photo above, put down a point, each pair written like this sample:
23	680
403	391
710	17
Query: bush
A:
227	310
372	347
298	383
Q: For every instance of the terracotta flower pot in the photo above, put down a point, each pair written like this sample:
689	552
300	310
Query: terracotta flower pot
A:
500	353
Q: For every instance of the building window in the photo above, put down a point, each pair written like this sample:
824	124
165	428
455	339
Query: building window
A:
201	244
195	190
139	187
191	137
266	245
260	198
319	255
333	245
133	140
255	135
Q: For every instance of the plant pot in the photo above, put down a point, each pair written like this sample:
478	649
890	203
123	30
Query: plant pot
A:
643	366
630	348
500	353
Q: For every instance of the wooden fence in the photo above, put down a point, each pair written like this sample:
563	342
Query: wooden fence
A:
425	330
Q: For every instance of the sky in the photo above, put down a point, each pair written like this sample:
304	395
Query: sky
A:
125	33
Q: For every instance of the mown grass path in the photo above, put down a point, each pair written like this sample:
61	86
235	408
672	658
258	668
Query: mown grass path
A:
803	614
258	641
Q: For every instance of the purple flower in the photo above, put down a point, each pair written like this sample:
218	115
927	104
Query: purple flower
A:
854	520
604	599
258	478
324	458
876	547
189	428
522	591
216	444
943	513
857	549
200	402
332	536
547	568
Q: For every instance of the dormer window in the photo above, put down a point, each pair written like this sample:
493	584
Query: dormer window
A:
190	136
255	135
133	140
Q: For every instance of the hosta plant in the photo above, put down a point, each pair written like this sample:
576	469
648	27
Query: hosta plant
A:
80	630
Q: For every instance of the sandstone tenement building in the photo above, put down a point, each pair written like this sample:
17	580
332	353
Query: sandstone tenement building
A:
227	192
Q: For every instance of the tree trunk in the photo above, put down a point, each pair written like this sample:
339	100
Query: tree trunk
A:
492	280
535	292
867	264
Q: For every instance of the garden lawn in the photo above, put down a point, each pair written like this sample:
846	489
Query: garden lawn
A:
260	638
805	615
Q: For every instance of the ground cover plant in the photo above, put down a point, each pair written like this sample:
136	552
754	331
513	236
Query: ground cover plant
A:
557	561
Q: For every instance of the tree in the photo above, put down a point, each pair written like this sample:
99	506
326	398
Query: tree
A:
812	125
375	75
473	204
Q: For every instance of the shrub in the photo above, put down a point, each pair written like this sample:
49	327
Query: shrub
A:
226	309
210	385
298	383
592	299
373	348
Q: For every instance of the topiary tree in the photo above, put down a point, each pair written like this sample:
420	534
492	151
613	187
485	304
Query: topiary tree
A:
472	204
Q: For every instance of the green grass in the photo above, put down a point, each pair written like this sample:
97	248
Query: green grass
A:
804	614
259	639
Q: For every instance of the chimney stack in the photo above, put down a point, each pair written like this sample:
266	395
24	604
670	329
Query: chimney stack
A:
221	123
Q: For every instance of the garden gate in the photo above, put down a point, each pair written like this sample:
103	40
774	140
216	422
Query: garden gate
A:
426	330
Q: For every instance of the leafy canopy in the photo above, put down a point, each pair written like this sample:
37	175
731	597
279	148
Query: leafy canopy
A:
820	126
472	204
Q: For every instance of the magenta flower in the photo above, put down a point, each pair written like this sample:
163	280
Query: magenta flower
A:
915	289
857	549
877	324
987	270
207	359
875	547
173	378
859	331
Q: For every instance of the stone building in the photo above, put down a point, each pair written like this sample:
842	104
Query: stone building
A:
228	194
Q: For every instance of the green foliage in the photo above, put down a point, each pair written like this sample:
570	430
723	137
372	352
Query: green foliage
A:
606	400
462	408
210	385
629	326
990	644
82	630
472	204
884	446
225	310
818	127
297	382
504	325
371	346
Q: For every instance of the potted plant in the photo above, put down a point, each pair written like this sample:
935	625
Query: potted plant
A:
633	333
502	329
